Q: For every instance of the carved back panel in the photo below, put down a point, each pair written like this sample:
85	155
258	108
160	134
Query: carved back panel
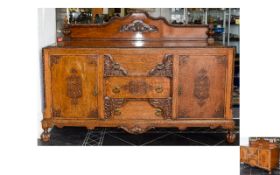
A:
74	88
136	26
201	87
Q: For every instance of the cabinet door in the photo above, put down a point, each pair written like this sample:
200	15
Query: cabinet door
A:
201	87
264	158
74	86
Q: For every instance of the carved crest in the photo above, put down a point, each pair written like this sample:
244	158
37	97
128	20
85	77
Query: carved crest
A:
164	68
112	68
112	105
201	87
74	86
138	26
165	104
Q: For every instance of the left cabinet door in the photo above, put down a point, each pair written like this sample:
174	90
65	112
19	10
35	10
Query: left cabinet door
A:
74	86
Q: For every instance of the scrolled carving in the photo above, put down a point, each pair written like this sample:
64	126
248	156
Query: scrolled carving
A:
56	112
136	129
165	104
74	86
201	87
111	105
54	59
93	114
92	59
164	68
219	112
183	59
138	26
112	68
221	59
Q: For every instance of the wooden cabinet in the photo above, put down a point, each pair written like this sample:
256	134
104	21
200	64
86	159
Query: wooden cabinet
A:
260	154
143	73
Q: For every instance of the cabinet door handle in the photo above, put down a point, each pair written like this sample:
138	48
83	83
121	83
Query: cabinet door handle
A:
158	112
116	90
159	89
117	111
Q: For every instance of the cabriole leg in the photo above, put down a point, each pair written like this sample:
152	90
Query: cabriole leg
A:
230	136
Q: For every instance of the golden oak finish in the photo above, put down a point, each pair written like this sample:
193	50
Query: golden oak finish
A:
137	73
260	153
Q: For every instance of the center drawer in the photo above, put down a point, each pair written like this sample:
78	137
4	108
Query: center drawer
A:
138	87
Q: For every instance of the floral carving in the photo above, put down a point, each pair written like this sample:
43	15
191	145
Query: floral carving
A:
54	59
56	113
138	26
183	59
111	105
165	104
219	112
221	59
93	114
92	59
136	129
164	68
201	87
74	86
137	87
112	68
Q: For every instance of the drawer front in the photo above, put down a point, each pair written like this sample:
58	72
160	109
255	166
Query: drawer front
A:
201	87
138	63
137	87
127	109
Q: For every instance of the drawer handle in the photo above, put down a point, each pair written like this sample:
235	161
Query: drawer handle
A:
117	111
159	89
158	112
116	90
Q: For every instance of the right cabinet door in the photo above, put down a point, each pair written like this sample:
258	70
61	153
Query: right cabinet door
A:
201	86
264	158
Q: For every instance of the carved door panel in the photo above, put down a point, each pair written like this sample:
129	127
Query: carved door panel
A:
243	154
74	86
201	87
264	158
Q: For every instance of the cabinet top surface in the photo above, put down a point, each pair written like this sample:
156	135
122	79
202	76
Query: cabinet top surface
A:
134	44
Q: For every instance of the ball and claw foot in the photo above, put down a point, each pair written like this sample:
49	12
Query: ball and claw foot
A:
45	136
230	137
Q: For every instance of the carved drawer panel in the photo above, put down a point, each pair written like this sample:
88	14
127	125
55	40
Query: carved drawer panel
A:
120	108
138	87
74	86
201	87
138	63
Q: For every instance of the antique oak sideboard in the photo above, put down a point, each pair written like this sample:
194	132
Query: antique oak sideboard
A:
260	153
138	73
